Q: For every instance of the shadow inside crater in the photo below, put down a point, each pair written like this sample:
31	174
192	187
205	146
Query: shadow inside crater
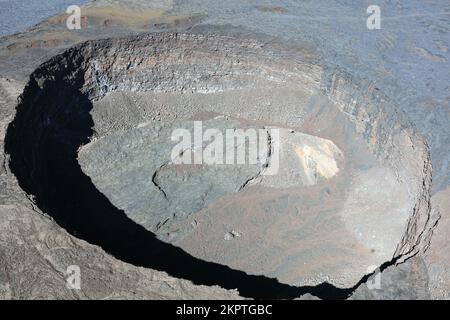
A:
51	123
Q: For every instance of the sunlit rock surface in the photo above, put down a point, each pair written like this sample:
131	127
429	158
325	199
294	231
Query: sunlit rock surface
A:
386	167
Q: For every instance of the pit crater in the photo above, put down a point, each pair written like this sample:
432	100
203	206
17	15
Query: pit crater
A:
90	140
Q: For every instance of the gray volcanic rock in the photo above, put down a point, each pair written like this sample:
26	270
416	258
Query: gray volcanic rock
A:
98	106
27	14
35	252
407	281
437	255
135	169
289	232
46	251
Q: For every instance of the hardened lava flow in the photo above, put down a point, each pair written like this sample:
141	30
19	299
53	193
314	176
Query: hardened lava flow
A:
91	142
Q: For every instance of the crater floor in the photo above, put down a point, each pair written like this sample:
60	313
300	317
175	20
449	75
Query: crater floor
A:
304	225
